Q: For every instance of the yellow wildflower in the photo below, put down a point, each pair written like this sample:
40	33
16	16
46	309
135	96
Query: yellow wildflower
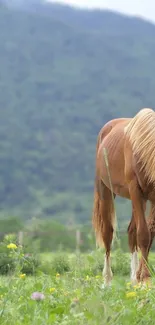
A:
137	286
128	284
143	288
11	246
22	275
131	294
57	275
147	285
52	290
87	277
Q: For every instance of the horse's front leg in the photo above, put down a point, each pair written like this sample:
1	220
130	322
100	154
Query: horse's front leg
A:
151	227
143	233
132	239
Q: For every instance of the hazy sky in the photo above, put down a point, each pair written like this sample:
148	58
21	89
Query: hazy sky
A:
142	8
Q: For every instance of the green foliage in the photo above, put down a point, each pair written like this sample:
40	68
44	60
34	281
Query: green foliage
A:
29	264
64	73
60	264
10	225
7	262
46	268
75	298
44	235
14	260
121	263
94	262
49	235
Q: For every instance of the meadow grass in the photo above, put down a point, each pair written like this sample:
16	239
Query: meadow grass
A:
77	296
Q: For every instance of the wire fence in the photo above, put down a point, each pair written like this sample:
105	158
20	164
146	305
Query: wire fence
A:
73	239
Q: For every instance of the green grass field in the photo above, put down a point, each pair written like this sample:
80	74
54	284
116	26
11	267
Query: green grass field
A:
76	296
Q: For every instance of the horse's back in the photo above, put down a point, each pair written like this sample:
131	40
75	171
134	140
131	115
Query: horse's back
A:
119	122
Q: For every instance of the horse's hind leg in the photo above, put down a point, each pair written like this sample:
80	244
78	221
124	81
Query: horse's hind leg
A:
132	237
107	234
103	219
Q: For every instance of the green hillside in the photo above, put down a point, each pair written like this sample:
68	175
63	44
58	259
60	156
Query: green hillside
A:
63	74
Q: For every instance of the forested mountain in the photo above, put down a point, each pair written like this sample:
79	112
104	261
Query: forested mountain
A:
63	74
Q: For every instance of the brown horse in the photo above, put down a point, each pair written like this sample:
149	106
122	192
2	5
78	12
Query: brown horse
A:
130	147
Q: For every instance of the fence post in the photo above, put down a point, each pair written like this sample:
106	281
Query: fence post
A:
78	240
20	238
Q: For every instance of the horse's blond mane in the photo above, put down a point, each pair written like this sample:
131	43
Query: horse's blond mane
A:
141	133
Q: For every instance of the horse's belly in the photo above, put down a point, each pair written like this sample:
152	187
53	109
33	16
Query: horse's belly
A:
122	191
118	189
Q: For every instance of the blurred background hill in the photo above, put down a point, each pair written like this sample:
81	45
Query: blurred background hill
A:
65	72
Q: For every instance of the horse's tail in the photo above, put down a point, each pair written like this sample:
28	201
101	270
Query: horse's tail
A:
98	218
97	211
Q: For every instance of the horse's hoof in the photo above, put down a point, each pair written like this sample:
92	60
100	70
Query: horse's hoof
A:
138	277
146	280
134	281
107	282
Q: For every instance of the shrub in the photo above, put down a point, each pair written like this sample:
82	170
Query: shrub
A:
120	263
60	264
95	262
7	263
14	259
29	264
46	267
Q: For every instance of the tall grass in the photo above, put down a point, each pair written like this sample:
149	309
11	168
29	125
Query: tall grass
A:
76	295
